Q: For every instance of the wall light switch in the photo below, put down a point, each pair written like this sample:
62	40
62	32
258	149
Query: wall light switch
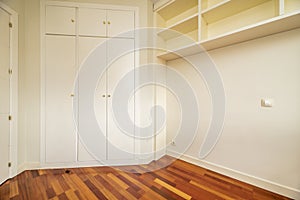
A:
267	102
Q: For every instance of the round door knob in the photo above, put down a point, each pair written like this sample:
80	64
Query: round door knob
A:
72	20
108	22
108	95
103	95
104	22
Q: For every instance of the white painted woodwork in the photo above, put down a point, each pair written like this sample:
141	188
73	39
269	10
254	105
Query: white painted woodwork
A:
220	23
206	4
71	34
60	75
176	7
60	20
181	17
272	26
116	70
92	22
228	8
261	12
102	101
86	45
158	4
106	23
120	23
185	26
4	95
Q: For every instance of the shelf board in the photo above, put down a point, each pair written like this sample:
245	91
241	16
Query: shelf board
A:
258	30
178	6
181	52
182	27
160	4
228	8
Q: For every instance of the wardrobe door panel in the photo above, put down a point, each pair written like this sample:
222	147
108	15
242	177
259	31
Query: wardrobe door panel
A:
86	47
60	20
92	22
60	72
120	142
120	23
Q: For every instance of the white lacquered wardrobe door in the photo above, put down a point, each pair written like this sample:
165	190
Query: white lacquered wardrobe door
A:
120	22
60	76
60	20
92	22
120	144
86	46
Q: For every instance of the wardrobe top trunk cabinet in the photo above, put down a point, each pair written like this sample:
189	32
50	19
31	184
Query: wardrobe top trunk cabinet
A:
83	21
186	24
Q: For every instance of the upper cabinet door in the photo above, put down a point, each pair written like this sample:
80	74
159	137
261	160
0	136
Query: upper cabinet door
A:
60	20
120	23
92	22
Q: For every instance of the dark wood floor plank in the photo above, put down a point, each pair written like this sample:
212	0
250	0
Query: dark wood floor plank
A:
116	183
108	194
95	190
105	183
166	178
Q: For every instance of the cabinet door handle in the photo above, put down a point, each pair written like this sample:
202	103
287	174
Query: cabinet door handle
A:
103	95
104	22
108	95
72	95
72	20
108	22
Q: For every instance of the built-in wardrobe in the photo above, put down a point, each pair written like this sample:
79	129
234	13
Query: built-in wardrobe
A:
70	34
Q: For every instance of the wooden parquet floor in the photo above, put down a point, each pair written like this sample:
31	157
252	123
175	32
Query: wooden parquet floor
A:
180	180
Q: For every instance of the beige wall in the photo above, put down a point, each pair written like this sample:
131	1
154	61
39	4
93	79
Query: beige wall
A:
256	141
29	69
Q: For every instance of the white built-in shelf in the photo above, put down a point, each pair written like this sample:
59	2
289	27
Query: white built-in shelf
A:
171	9
228	8
187	50
184	26
268	27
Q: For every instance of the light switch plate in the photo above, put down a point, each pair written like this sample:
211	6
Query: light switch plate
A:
267	103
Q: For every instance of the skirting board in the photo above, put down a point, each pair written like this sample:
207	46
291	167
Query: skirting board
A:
36	165
28	166
259	182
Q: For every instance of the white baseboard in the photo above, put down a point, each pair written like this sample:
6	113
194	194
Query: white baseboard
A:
37	165
28	166
259	182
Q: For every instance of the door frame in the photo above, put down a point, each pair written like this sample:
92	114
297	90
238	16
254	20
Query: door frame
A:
13	153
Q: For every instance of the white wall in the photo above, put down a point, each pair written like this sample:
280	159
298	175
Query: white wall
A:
262	143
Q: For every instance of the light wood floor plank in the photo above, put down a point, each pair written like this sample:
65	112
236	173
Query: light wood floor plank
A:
173	189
